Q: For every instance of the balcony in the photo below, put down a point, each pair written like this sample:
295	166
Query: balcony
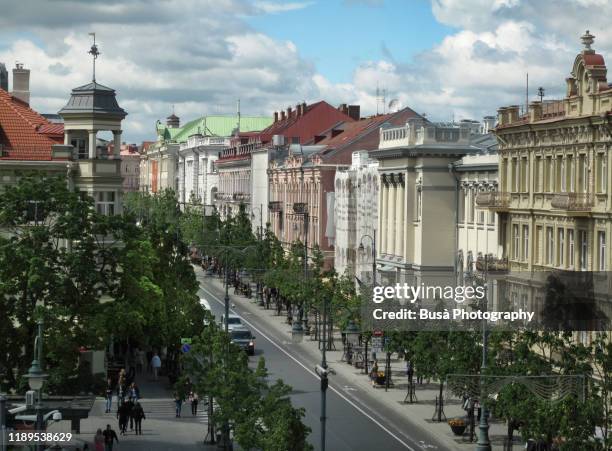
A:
275	206
573	203
210	141
242	197
224	196
491	264
493	200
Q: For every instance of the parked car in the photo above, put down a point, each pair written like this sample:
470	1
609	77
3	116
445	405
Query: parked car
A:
233	321
241	336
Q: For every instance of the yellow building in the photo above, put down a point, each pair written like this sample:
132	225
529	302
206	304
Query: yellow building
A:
554	197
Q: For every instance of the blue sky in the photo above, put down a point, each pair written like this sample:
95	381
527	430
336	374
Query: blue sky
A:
339	35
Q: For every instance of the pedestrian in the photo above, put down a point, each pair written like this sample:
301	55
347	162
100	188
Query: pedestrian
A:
109	437
156	365
374	373
178	402
193	398
130	406
99	440
109	395
120	395
134	392
138	415
123	414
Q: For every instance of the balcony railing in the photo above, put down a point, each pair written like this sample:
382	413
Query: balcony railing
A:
573	201
494	200
491	264
275	206
242	197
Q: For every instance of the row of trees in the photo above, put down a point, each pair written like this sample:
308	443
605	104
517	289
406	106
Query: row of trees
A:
62	261
435	354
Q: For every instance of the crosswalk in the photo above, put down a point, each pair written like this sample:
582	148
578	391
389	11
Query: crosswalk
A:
165	409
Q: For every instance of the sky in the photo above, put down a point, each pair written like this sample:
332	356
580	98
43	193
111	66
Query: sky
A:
448	59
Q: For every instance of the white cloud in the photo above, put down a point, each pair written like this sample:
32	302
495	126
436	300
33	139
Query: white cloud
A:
275	7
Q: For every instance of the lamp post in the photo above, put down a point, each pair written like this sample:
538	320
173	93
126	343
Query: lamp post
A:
323	373
362	249
36	379
301	209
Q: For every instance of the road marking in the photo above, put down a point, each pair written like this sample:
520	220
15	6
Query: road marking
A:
359	409
348	388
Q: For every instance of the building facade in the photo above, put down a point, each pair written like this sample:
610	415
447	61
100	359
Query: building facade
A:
554	197
130	167
418	199
356	217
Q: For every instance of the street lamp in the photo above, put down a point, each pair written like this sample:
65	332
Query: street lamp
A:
36	379
301	209
362	249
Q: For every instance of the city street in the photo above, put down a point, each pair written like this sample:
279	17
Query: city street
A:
355	420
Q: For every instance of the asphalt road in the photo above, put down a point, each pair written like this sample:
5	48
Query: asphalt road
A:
355	421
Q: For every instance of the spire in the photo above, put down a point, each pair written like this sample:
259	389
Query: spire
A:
587	40
94	54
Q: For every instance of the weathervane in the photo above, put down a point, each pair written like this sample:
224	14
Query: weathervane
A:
93	51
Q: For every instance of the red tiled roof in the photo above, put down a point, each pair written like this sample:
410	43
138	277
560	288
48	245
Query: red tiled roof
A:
25	134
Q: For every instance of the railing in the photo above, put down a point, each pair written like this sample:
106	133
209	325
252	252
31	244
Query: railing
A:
493	199
573	201
242	197
240	151
275	206
194	141
491	264
224	196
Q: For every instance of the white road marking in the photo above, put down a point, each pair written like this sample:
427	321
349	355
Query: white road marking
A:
308	370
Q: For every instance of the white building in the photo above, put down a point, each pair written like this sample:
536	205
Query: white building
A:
356	216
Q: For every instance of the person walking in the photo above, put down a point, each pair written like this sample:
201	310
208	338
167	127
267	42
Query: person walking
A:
156	365
130	408
409	371
109	395
138	415
110	437
99	441
134	392
123	414
178	403
374	373
193	398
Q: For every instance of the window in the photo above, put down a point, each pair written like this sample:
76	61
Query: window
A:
81	149
558	172
525	243
538	174
538	245
472	205
550	243
419	204
515	174
563	175
295	140
569	178
583	249
582	174
481	216
548	175
516	239
524	171
105	203
561	247
570	248
601	173
491	218
601	239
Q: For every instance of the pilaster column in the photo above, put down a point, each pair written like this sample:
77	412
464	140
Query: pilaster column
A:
67	137
392	222
117	143
384	213
400	220
92	144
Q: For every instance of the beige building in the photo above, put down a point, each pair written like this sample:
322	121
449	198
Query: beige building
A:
418	196
554	196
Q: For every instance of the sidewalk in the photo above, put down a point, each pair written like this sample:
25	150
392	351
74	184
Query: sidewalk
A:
161	430
419	414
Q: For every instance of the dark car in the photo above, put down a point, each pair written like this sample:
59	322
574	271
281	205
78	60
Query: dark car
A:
243	337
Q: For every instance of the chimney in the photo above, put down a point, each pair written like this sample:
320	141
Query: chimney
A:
3	77
276	116
488	124
283	117
289	112
298	110
343	108
21	83
303	108
535	111
354	111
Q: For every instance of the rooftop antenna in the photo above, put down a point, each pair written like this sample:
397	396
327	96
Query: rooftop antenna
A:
238	109
384	100
541	93
377	97
93	51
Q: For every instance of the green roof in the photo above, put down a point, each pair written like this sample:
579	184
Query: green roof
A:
212	126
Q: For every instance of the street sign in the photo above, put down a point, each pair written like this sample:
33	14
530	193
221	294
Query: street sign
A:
185	348
185	341
377	344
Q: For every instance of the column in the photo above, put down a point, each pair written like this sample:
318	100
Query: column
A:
400	220
92	144
67	137
392	218
384	213
117	143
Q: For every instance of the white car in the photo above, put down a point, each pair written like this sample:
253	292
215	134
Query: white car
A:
233	321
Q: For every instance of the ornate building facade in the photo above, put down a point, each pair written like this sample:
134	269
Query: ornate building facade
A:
554	196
